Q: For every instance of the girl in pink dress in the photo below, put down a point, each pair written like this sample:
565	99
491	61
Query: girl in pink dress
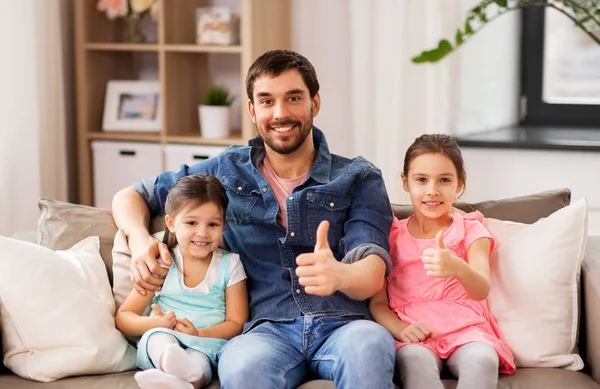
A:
434	303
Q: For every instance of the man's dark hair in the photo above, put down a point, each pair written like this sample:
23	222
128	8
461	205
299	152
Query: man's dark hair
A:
274	62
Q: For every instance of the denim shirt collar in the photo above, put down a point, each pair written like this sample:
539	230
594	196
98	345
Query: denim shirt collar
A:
321	170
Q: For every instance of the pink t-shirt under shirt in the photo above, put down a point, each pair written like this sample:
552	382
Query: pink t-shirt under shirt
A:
282	188
442	303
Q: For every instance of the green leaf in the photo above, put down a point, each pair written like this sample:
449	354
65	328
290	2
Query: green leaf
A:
444	48
459	37
217	95
501	3
483	16
468	29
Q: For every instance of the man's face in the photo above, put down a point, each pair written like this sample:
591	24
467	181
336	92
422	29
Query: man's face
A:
283	111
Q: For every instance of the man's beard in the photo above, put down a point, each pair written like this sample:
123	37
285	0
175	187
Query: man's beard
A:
297	141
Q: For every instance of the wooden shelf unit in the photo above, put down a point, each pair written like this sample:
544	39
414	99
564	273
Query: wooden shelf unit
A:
184	70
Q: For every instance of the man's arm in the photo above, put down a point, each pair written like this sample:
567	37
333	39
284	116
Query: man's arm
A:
321	274
366	260
363	279
131	214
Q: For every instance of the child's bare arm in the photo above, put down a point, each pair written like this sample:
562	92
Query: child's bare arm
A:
129	320
404	332
236	314
475	278
382	313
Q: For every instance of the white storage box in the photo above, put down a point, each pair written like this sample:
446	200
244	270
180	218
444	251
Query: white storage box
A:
176	154
120	164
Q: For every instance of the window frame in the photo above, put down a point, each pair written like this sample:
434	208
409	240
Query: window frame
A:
536	112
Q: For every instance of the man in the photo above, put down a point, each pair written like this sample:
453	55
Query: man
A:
311	229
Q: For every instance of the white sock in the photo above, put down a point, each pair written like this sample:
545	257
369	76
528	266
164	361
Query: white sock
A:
156	379
190	365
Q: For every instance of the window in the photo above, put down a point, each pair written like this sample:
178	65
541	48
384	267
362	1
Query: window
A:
560	71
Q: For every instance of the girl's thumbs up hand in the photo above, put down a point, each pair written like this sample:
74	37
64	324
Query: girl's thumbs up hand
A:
440	262
318	271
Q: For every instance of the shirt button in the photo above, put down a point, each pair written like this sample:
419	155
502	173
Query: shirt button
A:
292	234
291	198
331	204
264	189
297	291
240	188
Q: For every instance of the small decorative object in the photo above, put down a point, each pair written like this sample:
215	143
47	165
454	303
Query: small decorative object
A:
214	112
132	106
216	26
132	11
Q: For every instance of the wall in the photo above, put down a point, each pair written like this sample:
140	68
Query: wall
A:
488	91
320	33
500	173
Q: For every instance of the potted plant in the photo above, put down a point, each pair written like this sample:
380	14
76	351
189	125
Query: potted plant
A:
214	112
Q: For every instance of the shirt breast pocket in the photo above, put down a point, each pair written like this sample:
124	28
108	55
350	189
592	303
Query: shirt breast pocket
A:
242	199
330	206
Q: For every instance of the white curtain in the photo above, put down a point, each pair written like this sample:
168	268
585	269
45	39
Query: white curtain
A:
394	100
35	108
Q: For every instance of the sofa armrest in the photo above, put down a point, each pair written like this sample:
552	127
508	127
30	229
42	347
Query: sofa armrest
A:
591	289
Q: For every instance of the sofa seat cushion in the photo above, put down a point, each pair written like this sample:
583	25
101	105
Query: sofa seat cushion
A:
546	378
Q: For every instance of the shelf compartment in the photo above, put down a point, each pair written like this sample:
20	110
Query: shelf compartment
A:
98	28
180	18
103	66
187	77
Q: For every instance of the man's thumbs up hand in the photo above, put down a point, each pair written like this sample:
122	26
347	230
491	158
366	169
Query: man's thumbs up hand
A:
318	271
322	231
440	262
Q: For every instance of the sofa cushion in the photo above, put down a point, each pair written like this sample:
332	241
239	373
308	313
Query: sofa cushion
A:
57	312
62	224
522	209
534	295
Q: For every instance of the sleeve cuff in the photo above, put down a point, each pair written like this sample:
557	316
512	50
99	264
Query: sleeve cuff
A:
145	188
364	250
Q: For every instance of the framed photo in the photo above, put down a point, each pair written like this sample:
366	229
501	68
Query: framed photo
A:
216	26
132	106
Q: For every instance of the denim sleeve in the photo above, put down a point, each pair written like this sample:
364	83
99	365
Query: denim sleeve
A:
154	190
369	220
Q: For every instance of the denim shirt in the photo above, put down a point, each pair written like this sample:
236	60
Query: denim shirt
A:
349	193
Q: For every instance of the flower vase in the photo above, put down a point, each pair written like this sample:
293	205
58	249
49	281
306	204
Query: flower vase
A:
133	29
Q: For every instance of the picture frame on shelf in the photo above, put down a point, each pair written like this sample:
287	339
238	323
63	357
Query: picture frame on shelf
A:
132	106
216	26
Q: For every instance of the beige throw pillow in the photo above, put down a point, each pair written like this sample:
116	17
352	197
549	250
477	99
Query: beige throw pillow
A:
121	262
62	224
57	312
534	273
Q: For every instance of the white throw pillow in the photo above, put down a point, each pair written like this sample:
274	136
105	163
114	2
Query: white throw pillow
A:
534	274
57	312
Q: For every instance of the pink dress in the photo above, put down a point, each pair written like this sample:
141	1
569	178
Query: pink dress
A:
442	303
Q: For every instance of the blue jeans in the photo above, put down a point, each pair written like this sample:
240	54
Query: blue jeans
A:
353	353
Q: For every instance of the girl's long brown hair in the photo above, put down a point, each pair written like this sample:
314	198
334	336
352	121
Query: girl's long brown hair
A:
193	190
437	143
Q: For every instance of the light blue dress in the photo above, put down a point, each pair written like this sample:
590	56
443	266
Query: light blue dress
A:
202	309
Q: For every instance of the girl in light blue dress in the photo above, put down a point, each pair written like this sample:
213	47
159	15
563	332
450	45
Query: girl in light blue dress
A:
203	301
